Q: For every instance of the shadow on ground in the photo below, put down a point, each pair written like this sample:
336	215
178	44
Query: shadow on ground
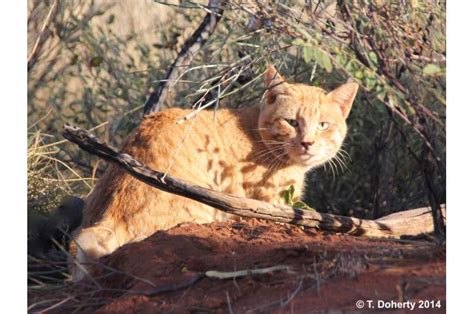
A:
327	272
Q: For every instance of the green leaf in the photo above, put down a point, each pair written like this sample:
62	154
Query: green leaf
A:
431	69
308	54
298	42
299	204
96	61
370	83
359	75
321	57
324	60
287	198
291	189
373	58
288	195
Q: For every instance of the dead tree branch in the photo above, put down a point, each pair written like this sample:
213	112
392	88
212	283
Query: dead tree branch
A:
407	223
185	56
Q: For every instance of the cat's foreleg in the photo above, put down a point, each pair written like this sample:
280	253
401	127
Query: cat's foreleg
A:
89	245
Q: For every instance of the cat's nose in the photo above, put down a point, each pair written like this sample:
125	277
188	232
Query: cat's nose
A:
307	144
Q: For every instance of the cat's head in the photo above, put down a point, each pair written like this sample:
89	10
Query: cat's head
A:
302	122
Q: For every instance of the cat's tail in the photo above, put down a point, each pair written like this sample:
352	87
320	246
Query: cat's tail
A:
49	237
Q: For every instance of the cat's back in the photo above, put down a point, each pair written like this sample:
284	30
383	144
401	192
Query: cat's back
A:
185	136
168	123
194	149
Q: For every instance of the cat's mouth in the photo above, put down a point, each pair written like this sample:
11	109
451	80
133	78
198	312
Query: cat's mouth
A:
308	158
291	153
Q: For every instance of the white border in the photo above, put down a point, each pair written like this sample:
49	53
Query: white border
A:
13	206
460	126
460	205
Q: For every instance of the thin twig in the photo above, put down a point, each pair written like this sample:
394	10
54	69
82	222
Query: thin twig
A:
214	274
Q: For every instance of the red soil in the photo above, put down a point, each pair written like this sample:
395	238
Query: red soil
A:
328	272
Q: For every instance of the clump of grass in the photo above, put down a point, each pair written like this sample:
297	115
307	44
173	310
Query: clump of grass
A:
45	187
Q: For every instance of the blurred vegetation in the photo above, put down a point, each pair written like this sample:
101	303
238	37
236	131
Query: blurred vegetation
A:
86	72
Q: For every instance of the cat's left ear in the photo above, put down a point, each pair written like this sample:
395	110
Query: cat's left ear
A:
344	96
275	84
272	77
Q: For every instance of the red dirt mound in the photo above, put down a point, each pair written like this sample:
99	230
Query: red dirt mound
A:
325	272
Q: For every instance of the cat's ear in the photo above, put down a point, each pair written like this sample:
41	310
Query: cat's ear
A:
344	96
275	83
272	77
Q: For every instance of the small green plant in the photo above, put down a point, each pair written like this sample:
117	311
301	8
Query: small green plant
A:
291	200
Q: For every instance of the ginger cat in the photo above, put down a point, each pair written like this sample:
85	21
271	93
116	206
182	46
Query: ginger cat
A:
255	152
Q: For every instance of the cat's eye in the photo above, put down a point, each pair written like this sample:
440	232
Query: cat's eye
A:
323	126
292	122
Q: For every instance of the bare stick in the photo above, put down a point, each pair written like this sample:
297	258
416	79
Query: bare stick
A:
410	223
185	56
214	274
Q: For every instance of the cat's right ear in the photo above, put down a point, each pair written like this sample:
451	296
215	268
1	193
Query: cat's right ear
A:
275	83
344	96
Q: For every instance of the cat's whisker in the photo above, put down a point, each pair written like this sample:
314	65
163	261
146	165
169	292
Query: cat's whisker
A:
257	129
270	142
276	163
273	163
265	152
274	155
344	153
269	157
332	166
341	166
342	159
280	163
337	163
272	145
333	169
344	156
340	162
267	142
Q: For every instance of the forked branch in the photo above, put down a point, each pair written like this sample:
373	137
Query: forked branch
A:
407	223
